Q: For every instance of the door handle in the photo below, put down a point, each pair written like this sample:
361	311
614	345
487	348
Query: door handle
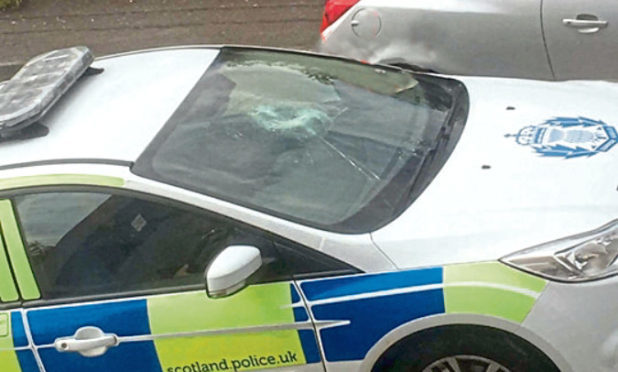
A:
88	341
585	23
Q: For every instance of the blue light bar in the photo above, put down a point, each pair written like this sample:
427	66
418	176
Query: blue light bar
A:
38	85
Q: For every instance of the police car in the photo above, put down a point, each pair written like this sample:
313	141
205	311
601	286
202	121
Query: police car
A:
233	208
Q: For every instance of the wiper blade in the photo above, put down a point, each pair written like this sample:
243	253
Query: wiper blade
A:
428	158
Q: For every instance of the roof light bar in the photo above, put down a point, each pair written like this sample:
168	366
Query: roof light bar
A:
38	85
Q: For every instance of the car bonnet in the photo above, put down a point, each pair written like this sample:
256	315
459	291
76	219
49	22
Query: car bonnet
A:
536	162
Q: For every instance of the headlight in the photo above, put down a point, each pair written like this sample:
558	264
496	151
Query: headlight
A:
587	256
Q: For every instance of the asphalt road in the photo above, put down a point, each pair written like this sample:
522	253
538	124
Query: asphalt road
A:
120	25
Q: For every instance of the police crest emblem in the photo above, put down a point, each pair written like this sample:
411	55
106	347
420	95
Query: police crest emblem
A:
568	137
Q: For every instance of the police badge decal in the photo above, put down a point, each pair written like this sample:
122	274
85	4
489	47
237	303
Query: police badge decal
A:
568	137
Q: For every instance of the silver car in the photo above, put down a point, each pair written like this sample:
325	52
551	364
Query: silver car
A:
539	39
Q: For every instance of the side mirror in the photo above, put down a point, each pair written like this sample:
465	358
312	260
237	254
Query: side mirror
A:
229	271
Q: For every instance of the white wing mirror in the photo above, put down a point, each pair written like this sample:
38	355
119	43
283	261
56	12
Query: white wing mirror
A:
229	271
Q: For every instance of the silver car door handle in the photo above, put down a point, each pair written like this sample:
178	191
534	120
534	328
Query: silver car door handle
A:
585	26
71	344
88	341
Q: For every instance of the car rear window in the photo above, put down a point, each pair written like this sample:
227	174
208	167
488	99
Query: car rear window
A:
326	142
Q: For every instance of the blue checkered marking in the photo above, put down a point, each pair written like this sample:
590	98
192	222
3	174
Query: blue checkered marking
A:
17	327
358	284
123	318
373	316
27	361
306	336
310	345
130	356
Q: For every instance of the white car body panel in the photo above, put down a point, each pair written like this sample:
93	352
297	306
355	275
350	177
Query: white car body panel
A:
87	118
343	366
494	196
357	250
473	319
585	335
470	214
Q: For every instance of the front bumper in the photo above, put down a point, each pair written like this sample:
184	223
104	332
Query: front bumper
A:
580	322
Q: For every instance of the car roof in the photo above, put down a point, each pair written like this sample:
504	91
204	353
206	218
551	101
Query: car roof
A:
115	114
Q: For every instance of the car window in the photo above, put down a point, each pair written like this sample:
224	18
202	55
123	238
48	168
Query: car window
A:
93	243
83	243
307	138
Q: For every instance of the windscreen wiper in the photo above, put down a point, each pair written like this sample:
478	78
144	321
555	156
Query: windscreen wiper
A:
442	139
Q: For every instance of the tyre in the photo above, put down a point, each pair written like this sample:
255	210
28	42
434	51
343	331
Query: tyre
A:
464	348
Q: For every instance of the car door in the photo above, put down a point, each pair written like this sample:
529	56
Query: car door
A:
582	38
16	355
16	352
473	37
121	286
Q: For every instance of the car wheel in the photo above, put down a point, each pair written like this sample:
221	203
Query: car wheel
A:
465	363
464	348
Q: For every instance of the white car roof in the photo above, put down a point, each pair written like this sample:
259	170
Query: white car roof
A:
115	114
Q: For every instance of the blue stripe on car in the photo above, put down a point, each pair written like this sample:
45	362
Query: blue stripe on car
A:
310	345
130	356
17	327
295	296
306	336
365	302
300	314
124	318
27	361
359	284
370	319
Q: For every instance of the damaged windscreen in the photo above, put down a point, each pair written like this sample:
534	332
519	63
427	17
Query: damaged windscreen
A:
329	143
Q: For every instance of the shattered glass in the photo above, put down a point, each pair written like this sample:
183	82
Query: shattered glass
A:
307	138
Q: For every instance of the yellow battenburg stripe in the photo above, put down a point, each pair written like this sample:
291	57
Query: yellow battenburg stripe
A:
12	237
255	306
60	179
19	261
8	291
8	357
490	288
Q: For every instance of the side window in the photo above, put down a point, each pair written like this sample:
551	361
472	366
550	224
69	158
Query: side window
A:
303	263
85	243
